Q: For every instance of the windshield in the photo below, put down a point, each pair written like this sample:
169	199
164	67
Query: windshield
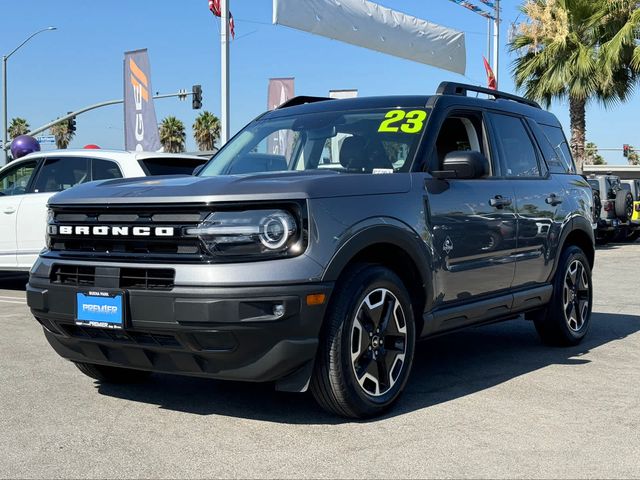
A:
377	141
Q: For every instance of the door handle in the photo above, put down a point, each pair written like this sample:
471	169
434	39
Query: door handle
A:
500	202
9	210
553	200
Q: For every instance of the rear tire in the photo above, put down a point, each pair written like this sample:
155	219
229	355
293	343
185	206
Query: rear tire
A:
107	374
566	320
366	344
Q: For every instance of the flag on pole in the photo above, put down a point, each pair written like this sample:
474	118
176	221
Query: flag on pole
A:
214	6
491	78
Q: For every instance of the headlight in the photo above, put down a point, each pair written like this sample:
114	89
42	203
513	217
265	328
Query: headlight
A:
264	233
51	229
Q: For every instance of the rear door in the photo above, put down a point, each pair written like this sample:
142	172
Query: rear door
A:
14	185
538	198
472	222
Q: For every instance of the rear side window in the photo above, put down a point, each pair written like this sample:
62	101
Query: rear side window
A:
595	185
104	169
170	166
562	162
58	174
518	157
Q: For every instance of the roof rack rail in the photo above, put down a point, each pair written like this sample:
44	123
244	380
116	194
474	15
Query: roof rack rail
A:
301	100
452	88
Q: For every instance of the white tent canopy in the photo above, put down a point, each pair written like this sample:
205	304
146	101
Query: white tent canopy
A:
367	24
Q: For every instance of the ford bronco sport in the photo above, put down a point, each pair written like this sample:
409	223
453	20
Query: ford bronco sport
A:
321	243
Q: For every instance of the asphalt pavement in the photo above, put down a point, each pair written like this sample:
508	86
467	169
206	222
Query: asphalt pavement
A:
490	402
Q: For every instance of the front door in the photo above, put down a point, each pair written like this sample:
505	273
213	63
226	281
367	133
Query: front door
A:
473	222
14	184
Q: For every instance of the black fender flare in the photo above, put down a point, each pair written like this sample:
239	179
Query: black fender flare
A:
391	232
578	223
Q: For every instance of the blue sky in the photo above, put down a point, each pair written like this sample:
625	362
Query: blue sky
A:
81	63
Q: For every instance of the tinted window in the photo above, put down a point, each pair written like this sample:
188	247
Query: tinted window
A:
16	180
104	170
59	174
594	185
170	166
518	156
562	162
459	132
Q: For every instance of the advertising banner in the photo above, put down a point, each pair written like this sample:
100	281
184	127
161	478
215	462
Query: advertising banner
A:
370	25
140	122
280	91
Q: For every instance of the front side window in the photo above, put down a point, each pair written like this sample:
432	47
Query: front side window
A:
58	174
15	181
376	141
459	133
518	157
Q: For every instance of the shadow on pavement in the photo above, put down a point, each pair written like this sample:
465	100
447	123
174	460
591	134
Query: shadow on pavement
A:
13	280
445	368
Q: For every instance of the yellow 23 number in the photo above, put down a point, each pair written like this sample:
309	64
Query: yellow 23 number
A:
407	122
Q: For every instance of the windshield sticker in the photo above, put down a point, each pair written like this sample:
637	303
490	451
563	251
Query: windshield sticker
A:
382	171
406	122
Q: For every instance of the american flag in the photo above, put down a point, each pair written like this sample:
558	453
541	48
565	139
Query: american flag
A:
214	6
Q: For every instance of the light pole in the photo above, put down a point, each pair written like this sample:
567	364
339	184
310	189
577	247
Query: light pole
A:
5	125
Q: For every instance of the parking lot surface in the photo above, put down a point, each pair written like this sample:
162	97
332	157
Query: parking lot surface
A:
487	402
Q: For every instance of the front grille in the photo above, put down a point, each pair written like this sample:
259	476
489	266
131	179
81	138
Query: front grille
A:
120	336
157	249
126	278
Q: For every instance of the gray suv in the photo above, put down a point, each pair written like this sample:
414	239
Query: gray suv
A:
321	243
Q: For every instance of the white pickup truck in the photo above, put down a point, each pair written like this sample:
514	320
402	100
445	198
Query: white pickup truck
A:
27	184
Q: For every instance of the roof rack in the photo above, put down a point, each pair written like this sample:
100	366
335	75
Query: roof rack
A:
301	100
452	88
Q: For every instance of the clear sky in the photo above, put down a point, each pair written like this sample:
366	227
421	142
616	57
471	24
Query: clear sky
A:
81	63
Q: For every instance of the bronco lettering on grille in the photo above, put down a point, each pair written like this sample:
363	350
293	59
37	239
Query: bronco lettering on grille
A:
105	231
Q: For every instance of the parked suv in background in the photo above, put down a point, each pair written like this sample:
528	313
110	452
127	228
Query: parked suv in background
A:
356	228
27	184
613	208
633	232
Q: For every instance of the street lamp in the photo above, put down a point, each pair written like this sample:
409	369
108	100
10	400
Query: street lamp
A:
4	91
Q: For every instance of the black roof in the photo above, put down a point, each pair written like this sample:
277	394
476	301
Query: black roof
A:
449	95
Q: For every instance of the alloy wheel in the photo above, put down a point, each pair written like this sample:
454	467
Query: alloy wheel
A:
378	342
576	296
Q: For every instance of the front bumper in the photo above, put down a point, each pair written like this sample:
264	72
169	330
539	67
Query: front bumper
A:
218	332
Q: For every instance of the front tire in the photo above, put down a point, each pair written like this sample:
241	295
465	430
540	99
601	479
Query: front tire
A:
366	345
107	374
566	320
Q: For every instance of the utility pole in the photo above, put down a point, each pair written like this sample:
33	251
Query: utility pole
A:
5	125
496	44
225	130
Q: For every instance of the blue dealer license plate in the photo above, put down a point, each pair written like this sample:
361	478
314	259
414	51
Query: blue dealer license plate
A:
100	309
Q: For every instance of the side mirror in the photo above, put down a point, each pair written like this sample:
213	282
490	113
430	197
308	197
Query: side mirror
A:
463	165
198	169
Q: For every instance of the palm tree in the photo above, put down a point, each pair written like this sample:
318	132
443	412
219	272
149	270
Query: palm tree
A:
564	55
206	131
18	126
63	134
172	135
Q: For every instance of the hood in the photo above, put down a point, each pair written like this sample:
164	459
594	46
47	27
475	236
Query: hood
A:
234	188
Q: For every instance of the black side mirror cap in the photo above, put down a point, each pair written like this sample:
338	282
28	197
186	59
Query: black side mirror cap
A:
463	165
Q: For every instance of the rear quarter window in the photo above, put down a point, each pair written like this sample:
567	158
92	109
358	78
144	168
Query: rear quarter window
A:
170	166
562	161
